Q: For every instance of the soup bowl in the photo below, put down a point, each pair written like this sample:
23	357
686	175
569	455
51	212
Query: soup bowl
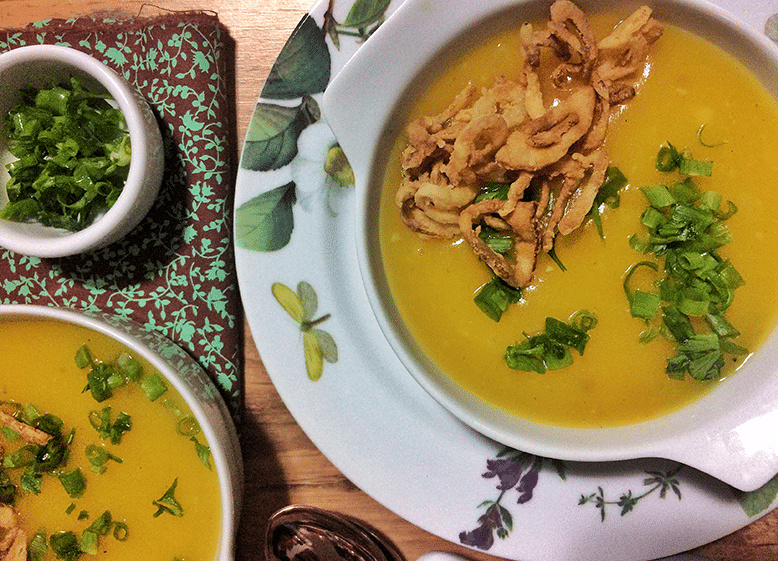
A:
729	432
191	382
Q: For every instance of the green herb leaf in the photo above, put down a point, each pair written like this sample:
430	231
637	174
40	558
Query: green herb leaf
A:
494	297
168	503
203	452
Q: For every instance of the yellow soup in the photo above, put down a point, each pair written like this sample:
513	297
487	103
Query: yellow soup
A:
619	380
39	369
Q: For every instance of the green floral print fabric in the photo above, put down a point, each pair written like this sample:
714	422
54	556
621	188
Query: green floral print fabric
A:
174	274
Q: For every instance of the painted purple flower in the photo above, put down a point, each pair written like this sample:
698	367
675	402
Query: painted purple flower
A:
483	536
514	470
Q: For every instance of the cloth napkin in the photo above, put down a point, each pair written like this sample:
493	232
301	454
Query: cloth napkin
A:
175	273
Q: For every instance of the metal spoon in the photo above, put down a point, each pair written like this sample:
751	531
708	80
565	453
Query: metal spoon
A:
307	533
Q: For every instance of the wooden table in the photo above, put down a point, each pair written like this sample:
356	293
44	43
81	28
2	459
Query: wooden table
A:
282	465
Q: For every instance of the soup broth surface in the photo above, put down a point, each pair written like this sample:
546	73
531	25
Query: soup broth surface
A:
39	369
619	380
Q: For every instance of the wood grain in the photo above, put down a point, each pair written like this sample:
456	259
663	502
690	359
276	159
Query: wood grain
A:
282	465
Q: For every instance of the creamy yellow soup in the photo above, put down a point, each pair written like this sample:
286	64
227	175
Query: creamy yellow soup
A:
619	380
39	369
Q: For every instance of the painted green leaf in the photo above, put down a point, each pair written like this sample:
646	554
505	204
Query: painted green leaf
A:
303	65
265	223
329	350
271	140
289	300
756	502
308	300
313	356
365	13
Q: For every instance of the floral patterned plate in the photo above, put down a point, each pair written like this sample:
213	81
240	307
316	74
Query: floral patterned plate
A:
315	331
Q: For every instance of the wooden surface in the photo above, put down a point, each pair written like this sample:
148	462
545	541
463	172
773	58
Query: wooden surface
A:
282	465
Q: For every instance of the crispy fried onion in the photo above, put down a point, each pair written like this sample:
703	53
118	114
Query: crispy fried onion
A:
13	540
552	156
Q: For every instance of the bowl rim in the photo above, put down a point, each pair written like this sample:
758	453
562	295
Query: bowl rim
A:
114	223
229	470
362	120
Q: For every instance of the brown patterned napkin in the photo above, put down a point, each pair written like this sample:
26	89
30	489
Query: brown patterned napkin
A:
175	273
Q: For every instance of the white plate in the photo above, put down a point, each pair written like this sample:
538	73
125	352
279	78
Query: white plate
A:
293	223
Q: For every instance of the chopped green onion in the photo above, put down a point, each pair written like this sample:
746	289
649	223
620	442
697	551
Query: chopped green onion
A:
494	297
608	193
120	531
550	350
494	191
89	542
129	367
70	508
65	546
8	433
7	489
583	320
31	480
74	483
101	422
695	167
153	387
555	258
668	158
496	241
188	426
102	524
644	304
83	357
73	154
97	381
38	547
686	227
20	457
658	196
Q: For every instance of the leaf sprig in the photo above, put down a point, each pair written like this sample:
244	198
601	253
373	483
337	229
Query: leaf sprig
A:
302	306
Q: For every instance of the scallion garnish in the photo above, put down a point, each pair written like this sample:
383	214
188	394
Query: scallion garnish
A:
496	241
38	547
74	483
73	155
65	546
494	191
153	386
669	159
89	542
7	489
550	350
608	194
99	457
101	421
188	426
686	228
120	531
494	297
